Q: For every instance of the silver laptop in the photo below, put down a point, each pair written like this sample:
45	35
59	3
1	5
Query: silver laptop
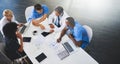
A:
68	47
24	28
66	52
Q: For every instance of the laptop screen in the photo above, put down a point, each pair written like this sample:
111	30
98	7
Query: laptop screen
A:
23	29
68	47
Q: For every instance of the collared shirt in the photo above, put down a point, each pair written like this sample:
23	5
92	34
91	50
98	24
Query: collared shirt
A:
79	34
4	21
54	19
36	15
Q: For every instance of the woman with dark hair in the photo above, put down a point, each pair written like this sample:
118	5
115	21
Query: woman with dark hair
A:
13	48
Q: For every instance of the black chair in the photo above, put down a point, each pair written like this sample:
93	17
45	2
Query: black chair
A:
5	59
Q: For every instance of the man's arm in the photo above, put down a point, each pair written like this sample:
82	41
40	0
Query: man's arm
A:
43	18
21	41
77	43
62	34
37	21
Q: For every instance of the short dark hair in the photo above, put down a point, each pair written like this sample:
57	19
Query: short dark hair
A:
70	20
10	29
38	7
59	9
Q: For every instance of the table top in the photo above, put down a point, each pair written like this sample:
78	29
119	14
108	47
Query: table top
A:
40	44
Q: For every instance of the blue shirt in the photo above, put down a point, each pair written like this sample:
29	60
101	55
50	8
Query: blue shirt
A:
35	14
79	34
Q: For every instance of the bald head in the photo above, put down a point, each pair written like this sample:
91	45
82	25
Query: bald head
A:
70	21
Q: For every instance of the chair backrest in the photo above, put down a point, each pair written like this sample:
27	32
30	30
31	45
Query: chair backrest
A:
28	12
3	56
89	32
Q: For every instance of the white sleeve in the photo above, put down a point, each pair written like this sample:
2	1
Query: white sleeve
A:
51	17
60	28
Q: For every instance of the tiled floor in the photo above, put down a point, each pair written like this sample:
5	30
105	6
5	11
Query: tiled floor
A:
103	16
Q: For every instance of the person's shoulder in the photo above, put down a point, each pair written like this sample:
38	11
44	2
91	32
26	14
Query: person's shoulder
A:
78	25
34	11
44	6
3	19
53	13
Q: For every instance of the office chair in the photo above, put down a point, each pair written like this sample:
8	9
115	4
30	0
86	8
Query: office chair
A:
89	32
9	61
2	52
28	12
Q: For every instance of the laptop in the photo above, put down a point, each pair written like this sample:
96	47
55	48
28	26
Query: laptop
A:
68	47
24	28
66	51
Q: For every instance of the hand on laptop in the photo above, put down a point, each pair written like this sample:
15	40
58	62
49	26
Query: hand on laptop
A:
20	24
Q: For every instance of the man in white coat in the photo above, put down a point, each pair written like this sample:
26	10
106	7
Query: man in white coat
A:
57	19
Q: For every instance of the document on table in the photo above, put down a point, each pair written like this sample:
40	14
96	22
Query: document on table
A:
59	50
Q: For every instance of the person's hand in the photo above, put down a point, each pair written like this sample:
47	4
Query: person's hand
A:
19	35
59	40
20	49
51	31
41	26
35	22
51	26
20	24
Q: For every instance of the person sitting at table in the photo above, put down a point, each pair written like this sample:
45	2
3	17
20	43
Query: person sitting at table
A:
8	16
39	14
13	48
75	32
57	19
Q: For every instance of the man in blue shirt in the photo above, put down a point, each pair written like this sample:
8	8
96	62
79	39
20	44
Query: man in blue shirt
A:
75	32
39	14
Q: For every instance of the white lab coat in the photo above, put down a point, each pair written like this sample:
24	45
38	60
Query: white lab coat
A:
4	21
52	18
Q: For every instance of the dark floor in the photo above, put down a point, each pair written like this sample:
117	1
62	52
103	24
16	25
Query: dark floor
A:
103	16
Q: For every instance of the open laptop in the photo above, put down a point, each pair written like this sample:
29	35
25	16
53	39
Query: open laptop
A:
68	47
66	51
24	28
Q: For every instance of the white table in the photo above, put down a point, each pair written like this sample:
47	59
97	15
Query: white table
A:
41	44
